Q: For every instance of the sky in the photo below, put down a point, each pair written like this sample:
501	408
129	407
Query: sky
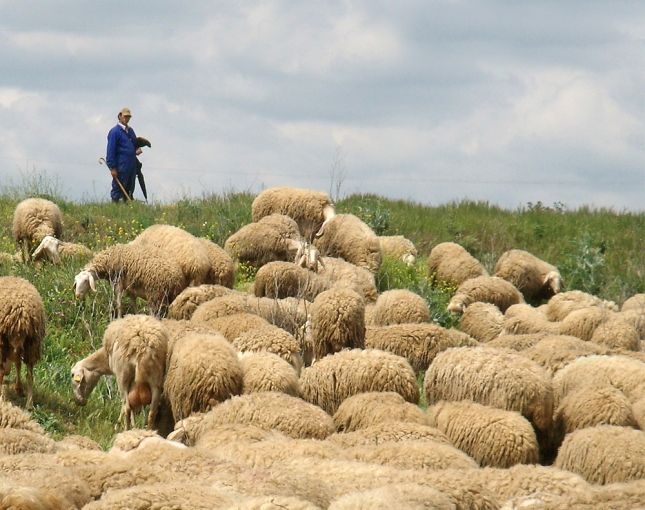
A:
425	100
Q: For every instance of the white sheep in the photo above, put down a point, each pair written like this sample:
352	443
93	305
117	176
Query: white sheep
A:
22	330
489	289
185	304
398	247
400	306
265	371
522	318
345	274
222	270
562	304
274	340
280	279
636	302
134	350
533	277
143	271
33	219
54	250
482	321
450	264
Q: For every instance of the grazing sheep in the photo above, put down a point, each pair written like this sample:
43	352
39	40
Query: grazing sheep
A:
134	350
489	289
343	273
274	237
522	319
554	352
418	343
185	304
222	306
400	306
636	302
33	219
222	270
203	371
516	342
279	280
127	442
213	438
143	271
54	250
492	377
276	503
18	496
290	314
332	379
310	209
274	340
233	326
264	371
482	321
618	454
403	496
583	322
450	264
561	305
533	277
616	333
13	417
15	441
398	247
22	330
348	237
366	409
389	431
337	322
493	437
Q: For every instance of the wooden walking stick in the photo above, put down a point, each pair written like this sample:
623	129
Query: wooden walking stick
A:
125	193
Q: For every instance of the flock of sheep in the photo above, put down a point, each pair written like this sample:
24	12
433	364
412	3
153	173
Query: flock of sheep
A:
305	393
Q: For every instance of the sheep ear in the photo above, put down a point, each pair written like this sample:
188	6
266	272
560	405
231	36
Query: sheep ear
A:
78	378
92	283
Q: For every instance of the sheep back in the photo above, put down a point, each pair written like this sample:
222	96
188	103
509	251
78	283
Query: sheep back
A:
264	371
389	431
488	289
185	304
33	219
221	269
450	264
529	274
280	279
271	339
400	306
482	321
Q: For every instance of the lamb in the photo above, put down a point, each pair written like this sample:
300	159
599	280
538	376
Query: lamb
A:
22	330
143	271
618	454
334	378
562	304
310	209
222	270
185	304
482	321
54	250
134	350
280	279
493	437
271	339
33	219
418	343
185	248
492	377
450	264
398	247
264	371
348	237
274	237
400	306
489	289
533	277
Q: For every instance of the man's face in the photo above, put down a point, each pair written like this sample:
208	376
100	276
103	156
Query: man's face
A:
124	119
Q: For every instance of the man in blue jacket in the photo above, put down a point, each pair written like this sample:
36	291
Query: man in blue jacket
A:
121	157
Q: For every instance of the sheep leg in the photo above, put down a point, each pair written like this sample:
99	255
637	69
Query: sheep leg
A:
30	386
18	386
154	406
118	290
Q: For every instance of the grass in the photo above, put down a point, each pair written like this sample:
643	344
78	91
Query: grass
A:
599	251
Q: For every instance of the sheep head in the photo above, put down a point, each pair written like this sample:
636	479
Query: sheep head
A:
308	257
83	382
553	280
83	282
48	248
328	213
456	305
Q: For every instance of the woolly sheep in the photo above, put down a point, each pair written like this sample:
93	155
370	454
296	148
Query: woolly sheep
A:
134	350
365	409
554	352
33	219
185	304
618	454
616	333
489	289
482	321
450	264
274	237
222	270
15	441
228	304
274	340
213	438
264	371
343	273
309	208
522	319
403	496
583	322
516	342
389	431
13	417
617	496
348	237
400	306
143	271
636	302
233	326
22	330
561	305
492	377
493	437
332	379
284	279
54	250
127	442
337	322
276	503
17	496
290	314
398	247
418	343
202	372
533	277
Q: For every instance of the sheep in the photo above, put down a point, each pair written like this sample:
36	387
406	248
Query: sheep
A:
233	326
516	342
493	437
54	250
14	417
489	289
185	304
264	371
398	247
228	304
222	270
274	340
15	441
127	442
213	438
404	496
450	264
134	350
616	496
523	319
636	302
533	277
203	370
348	237
365	409
616	333
583	322
492	377
554	352
400	306
482	321
343	273
22	330
18	496
418	343
389	431
290	415
274	237
33	219
143	271
618	454
332	379
562	304
276	503
280	279
310	209
337	322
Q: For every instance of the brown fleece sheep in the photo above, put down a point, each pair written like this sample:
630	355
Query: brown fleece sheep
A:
400	306
636	302
264	371
233	326
516	342
398	247
387	432
616	333
33	219
482	321
584	321
345	274
285	279
522	319
403	496
533	277
554	352
221	269
489	289
561	305
185	304
271	339
450	264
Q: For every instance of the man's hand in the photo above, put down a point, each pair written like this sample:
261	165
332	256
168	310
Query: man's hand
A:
138	151
114	173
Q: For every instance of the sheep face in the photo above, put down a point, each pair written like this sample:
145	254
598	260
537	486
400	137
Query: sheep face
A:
48	248
554	280
83	282
456	306
83	382
308	257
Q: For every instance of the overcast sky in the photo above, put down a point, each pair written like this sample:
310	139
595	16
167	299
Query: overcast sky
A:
428	100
